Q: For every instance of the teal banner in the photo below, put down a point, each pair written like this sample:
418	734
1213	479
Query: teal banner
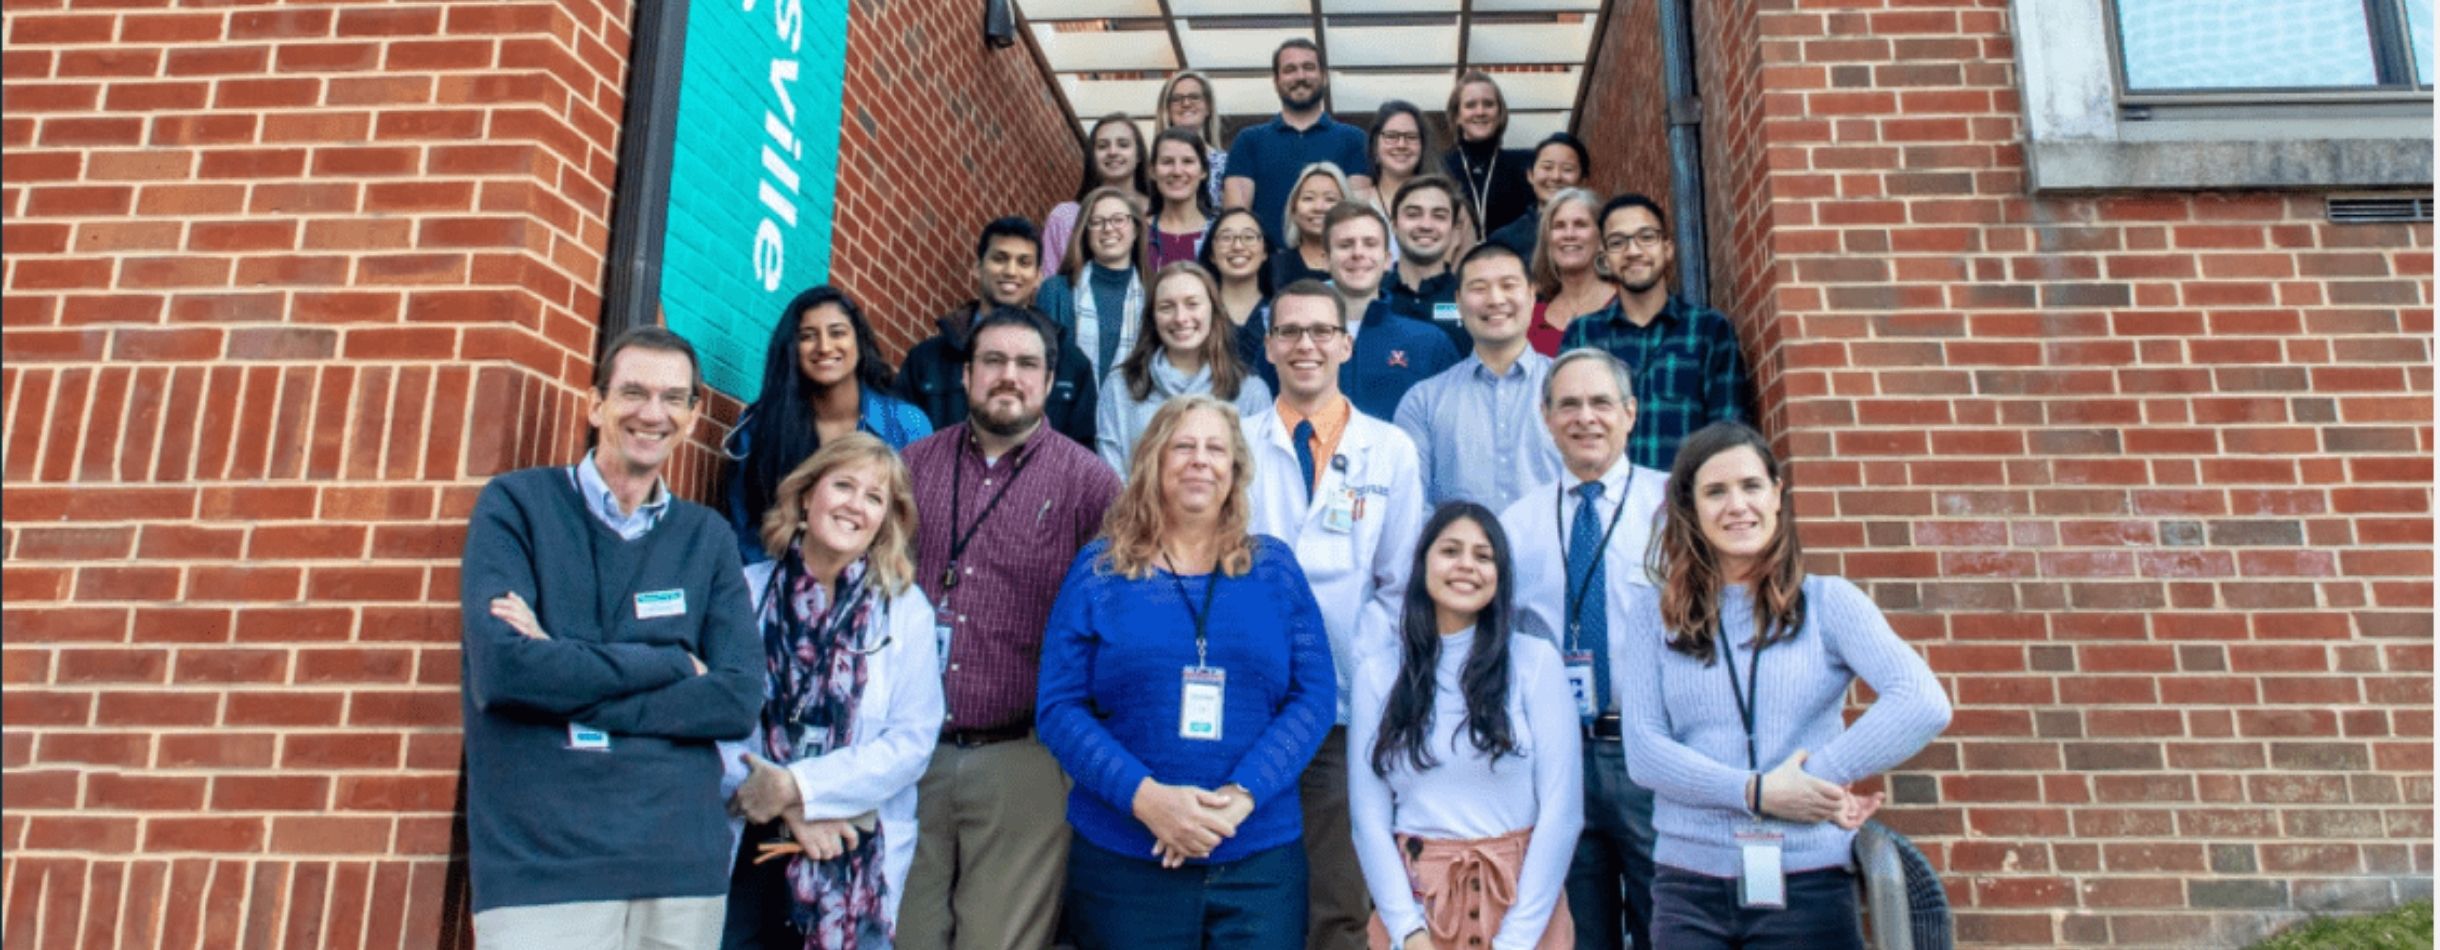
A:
754	175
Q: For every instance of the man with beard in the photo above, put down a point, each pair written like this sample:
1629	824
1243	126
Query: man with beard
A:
1007	269
1423	286
1477	426
1684	358
1390	354
1265	161
1002	510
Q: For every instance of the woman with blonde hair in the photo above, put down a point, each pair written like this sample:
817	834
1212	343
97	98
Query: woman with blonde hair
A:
1186	683
1300	255
1185	347
1492	177
1187	102
1568	281
1749	762
824	789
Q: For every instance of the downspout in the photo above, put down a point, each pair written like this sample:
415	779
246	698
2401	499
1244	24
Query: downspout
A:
1685	148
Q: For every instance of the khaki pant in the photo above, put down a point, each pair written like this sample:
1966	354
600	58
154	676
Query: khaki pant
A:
1341	908
667	923
990	850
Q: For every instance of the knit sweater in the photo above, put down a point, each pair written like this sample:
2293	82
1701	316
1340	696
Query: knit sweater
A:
1122	417
547	823
1686	740
1113	662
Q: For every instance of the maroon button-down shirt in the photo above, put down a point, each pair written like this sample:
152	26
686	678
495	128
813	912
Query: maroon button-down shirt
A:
1011	568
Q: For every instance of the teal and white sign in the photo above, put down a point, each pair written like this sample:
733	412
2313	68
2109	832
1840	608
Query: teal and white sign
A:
754	175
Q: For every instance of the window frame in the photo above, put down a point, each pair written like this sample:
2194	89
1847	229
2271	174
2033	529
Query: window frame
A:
2392	51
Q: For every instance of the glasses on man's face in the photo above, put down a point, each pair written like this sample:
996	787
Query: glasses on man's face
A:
1111	223
1238	238
1319	333
1648	239
632	397
1402	138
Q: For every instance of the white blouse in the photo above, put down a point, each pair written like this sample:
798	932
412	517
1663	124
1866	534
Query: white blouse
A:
1467	796
897	723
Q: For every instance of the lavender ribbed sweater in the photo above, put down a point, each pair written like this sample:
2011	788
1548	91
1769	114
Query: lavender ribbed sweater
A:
1686	742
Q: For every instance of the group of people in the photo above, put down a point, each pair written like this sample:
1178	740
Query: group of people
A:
1330	553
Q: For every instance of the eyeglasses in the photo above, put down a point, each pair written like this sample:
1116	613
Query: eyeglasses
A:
1402	138
1110	223
1648	239
1238	238
672	400
1317	332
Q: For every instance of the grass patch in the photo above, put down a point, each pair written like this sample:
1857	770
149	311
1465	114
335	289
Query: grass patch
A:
2407	927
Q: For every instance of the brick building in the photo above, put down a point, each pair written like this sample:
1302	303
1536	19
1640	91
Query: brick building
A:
2143	466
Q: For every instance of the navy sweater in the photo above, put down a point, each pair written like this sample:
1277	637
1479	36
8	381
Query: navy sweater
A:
549	824
1392	354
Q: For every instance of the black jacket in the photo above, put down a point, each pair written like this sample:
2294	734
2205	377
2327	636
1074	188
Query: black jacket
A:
1510	192
933	377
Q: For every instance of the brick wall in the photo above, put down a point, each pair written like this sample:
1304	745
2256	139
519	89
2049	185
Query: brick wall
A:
282	287
2147	476
1625	115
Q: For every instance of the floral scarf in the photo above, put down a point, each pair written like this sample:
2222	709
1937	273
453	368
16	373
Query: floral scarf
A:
816	677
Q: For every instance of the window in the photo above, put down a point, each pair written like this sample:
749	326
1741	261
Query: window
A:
2185	48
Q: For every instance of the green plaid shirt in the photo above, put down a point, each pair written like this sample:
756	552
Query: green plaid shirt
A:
1688	372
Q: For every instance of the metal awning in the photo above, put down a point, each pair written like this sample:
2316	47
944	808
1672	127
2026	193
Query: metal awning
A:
1113	55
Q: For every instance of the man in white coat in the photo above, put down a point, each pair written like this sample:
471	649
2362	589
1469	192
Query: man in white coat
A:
1578	542
1346	491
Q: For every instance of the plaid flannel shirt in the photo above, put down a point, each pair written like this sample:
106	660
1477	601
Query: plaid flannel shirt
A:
1689	373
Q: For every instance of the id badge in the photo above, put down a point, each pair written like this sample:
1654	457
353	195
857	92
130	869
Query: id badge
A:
1199	703
1445	313
940	644
655	604
584	738
1341	515
1580	681
1761	882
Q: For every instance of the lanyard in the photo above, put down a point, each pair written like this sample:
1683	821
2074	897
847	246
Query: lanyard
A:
957	498
1480	197
1747	698
1202	617
1584	585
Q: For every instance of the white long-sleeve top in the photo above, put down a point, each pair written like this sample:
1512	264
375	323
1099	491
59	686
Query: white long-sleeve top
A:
1466	795
898	721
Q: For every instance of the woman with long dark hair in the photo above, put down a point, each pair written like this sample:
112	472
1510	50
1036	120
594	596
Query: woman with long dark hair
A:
1116	160
1732	679
1098	294
1182	204
1184	348
823	377
1398	142
1464	758
824	789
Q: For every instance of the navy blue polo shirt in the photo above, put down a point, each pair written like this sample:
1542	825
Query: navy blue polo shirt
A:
1435	303
1271	154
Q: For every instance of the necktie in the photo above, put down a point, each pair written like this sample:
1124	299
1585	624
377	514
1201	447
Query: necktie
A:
1303	437
1585	595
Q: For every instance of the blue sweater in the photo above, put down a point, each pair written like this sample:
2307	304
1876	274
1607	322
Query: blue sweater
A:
548	824
1112	666
1392	354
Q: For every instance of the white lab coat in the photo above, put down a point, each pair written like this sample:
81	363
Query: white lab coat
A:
897	723
1538	524
1358	575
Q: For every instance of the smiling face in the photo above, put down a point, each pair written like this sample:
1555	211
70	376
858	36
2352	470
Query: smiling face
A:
1588	417
1460	569
1401	145
1176	171
1114	149
1182	312
1190	102
1006	379
1736	503
1637	249
1110	232
1008	272
1572	238
645	409
843	511
826	346
1196	467
1298	79
1554	168
1495	300
1237	247
1426	221
1308	341
1359	252
1479	112
1312	201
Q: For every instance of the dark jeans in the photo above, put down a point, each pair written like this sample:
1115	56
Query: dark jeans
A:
1118	901
1697	912
760	900
1609	885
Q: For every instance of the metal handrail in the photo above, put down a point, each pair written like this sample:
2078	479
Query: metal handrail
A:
1902	892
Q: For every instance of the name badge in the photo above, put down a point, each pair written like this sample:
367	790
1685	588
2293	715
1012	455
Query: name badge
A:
1580	681
584	738
940	642
1445	313
1761	882
653	605
1199	703
1342	512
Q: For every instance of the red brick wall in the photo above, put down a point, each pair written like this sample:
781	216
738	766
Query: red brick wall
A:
283	286
1625	118
2147	476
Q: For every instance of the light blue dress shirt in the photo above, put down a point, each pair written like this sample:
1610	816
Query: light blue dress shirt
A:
1480	433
